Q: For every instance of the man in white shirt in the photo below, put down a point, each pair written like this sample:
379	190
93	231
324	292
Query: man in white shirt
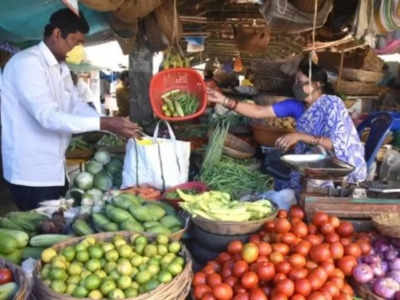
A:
40	109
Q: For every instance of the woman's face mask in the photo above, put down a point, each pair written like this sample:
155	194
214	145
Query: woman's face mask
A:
298	91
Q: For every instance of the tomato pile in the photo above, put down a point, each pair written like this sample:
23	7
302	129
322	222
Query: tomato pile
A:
289	259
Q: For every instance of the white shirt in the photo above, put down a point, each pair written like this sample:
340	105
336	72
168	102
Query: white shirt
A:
40	109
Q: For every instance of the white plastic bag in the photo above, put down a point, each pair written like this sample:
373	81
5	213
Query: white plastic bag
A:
159	162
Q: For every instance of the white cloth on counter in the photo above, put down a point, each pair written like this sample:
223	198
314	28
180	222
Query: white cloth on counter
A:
40	109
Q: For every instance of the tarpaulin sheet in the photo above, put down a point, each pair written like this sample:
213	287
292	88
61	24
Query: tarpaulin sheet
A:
24	20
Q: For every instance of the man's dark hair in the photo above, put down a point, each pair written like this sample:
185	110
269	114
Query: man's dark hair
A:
68	22
124	75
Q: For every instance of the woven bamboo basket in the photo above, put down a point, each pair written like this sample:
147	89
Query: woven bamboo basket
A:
237	148
78	153
233	228
387	224
103	5
177	289
364	292
358	88
361	75
24	285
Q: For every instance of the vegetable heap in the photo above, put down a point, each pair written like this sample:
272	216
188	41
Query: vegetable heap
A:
116	269
179	103
131	213
380	270
289	259
8	287
215	205
108	140
78	143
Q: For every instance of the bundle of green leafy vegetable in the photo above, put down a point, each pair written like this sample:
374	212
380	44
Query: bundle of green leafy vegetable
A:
179	103
78	143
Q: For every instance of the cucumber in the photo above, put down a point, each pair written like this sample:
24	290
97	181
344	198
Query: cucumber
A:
33	252
80	227
21	237
48	240
8	290
117	215
15	257
8	224
8	243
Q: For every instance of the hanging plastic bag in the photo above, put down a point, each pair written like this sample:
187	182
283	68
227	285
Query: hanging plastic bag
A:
159	162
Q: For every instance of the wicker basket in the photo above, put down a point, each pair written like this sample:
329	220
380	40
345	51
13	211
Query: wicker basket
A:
24	285
233	228
267	136
103	5
177	289
307	5
358	88
237	148
78	153
387	224
361	75
364	292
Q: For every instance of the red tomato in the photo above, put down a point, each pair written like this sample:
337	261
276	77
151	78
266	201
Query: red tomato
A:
312	229
297	260
264	249
242	296
353	249
223	291
226	271
337	281
208	296
332	237
249	280
321	273
327	228
240	267
257	294
296	274
215	265
296	211
288	238
231	281
282	225
345	229
326	294
345	241
297	297
331	288
255	239
315	281
316	296
283	267
265	271
329	267
199	278
269	226
319	218
266	289
295	221
303	287
334	221
208	270
200	290
347	264
282	213
343	296
337	250
320	253
285	286
337	273
365	246
276	257
250	252
223	257
278	277
261	259
214	279
301	230
313	239
281	248
278	296
5	275
310	265
235	247
303	247
347	289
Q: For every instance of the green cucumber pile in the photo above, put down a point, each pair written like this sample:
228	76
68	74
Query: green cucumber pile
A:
179	103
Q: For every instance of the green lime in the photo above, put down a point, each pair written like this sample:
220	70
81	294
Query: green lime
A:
44	273
107	286
134	271
162	250
135	285
80	292
154	261
85	273
75	268
167	259
124	282
47	282
150	250
93	265
116	294
153	269
114	275
131	292
92	282
162	239
125	251
70	288
82	256
137	260
95	251
103	262
90	240
74	279
139	248
57	274
151	285
81	246
69	253
58	286
143	276
110	266
119	242
175	268
95	295
112	255
124	268
48	254
165	277
107	247
174	247
59	262
101	274
179	260
141	240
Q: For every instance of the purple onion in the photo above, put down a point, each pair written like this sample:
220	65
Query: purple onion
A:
397	296
363	273
381	246
395	264
385	266
371	259
395	275
395	242
386	287
391	254
378	269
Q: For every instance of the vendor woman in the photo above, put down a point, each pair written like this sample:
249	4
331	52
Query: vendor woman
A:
322	120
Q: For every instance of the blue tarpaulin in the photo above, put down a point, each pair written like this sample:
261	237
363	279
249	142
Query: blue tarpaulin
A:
24	20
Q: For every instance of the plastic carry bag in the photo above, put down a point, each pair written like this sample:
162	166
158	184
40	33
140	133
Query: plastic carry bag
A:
159	162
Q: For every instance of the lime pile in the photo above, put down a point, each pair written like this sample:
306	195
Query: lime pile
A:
116	269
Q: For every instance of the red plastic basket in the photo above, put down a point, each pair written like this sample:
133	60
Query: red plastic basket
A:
182	79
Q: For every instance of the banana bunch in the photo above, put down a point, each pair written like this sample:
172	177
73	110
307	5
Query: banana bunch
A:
173	59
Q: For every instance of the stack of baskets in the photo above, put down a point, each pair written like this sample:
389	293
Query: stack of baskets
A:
359	82
177	289
237	148
387	224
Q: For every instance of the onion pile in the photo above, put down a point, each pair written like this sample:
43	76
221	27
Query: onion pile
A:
381	268
288	259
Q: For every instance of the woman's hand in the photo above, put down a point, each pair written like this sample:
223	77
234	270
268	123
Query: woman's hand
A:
287	141
215	96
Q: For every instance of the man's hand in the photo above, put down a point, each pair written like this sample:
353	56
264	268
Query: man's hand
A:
121	126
